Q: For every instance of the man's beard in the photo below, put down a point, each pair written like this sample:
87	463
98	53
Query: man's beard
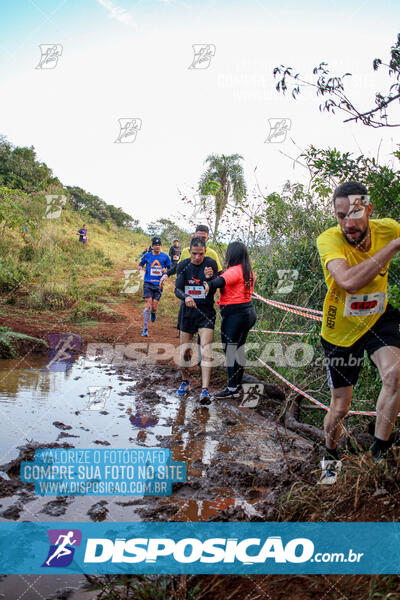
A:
356	242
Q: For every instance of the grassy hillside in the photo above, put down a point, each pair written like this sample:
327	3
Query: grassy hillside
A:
48	269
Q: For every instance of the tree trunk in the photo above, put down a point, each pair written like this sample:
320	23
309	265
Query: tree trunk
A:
221	200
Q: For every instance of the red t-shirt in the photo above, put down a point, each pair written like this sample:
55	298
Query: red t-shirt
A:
235	291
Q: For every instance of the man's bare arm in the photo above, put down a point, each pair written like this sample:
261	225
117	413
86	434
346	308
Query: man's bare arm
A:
352	279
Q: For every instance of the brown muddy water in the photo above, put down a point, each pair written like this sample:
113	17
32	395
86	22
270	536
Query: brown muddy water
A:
238	462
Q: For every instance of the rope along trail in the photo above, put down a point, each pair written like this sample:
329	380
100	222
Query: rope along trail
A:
300	310
282	332
317	402
304	312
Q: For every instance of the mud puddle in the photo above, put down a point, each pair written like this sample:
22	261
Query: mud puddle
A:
238	462
236	459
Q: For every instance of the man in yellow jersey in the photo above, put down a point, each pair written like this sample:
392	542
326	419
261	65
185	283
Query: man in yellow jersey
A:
355	257
201	231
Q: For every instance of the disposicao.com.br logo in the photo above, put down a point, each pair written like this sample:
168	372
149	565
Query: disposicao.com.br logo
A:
62	543
248	551
199	547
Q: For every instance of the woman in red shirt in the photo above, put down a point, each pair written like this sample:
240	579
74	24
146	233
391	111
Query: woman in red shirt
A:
237	312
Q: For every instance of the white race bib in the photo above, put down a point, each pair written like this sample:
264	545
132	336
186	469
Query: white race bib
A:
155	271
175	257
195	291
364	305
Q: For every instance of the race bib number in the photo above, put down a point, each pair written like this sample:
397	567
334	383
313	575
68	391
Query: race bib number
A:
364	305
155	271
175	257
195	291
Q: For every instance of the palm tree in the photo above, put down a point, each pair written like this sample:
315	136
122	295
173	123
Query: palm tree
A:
224	179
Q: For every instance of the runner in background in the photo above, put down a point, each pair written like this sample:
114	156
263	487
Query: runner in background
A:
203	232
144	252
175	252
355	257
238	315
83	236
196	313
156	263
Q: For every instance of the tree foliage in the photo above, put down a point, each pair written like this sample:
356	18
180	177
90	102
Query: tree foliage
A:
168	231
329	167
21	170
12	209
224	180
22	173
96	208
331	87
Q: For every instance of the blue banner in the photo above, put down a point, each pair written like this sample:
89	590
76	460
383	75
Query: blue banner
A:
223	548
113	472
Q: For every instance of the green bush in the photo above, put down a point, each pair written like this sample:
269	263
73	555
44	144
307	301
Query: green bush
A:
82	311
26	253
12	275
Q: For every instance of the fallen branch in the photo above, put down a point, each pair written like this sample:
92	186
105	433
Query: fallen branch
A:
292	416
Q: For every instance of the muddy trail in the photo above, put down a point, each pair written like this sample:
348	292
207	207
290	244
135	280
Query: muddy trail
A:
238	462
241	462
240	466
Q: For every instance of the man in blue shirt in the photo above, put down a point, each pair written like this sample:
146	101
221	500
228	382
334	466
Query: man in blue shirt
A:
82	234
157	263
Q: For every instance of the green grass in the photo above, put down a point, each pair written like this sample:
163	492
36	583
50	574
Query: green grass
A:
51	270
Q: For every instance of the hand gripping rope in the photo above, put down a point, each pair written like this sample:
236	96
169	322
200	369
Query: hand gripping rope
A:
303	312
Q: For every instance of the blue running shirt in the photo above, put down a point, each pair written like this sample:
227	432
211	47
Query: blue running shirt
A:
154	263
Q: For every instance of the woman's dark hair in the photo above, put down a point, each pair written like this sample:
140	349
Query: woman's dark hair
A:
237	254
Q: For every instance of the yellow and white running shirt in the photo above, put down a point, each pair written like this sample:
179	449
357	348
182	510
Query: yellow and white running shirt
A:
347	317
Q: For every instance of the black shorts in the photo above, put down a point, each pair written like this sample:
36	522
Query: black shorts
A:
343	364
150	290
190	320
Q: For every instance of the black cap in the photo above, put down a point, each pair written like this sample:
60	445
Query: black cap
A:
155	240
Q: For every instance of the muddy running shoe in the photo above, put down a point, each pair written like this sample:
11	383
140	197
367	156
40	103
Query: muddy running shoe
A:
183	389
329	471
145	333
379	456
205	397
228	393
380	448
153	317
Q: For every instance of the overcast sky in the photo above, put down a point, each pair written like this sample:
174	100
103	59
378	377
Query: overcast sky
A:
130	59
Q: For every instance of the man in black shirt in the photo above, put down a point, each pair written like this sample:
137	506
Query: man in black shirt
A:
197	312
175	252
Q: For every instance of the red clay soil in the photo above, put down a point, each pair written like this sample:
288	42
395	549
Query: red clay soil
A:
126	330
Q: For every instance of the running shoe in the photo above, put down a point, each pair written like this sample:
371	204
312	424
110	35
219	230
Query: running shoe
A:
205	397
379	456
227	393
329	471
380	453
153	317
145	333
183	389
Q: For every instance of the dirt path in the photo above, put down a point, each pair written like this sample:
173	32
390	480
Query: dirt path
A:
126	329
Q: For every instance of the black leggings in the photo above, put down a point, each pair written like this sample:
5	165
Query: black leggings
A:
237	320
